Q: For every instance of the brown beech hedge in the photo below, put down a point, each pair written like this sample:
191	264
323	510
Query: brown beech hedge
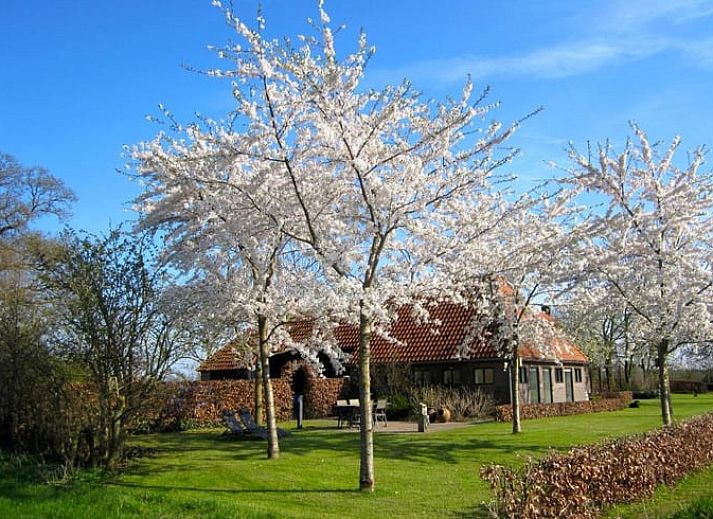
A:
583	481
606	402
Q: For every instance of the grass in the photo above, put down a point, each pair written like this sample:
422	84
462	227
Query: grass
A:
197	474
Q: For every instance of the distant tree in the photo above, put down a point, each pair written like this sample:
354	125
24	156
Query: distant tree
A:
33	387
650	230
600	325
27	194
112	324
513	271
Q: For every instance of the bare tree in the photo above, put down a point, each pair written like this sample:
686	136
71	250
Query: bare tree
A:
27	194
107	293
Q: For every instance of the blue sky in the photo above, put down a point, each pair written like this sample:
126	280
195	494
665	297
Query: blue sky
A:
79	77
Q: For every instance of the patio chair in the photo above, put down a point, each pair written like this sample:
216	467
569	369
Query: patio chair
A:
380	411
354	415
258	430
343	412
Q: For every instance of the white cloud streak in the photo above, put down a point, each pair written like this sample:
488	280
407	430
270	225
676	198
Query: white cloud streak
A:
625	32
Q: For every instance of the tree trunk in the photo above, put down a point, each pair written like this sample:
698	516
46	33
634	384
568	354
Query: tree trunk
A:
366	433
273	442
515	389
259	393
664	384
607	372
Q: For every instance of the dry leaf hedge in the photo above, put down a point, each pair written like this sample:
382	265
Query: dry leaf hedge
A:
608	402
587	479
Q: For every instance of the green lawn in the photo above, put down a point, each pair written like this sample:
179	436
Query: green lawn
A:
197	474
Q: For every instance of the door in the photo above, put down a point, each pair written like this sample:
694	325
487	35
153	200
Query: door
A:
534	381
547	385
569	385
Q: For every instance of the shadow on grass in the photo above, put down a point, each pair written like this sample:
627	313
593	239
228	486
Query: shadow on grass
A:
480	511
236	490
425	448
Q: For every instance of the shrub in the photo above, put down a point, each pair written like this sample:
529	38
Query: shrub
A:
645	394
463	402
587	479
400	407
606	402
688	386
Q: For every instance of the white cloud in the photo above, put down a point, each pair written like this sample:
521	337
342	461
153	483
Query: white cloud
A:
633	16
621	32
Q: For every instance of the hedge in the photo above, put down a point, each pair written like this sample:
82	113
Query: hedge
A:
189	405
608	402
587	479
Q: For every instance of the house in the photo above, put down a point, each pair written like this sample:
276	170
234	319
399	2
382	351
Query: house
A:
444	351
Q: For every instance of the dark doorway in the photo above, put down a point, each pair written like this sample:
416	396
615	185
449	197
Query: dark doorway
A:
299	381
534	380
569	385
547	385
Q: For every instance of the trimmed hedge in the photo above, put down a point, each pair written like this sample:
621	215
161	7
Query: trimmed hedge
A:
178	406
587	479
688	386
189	405
607	402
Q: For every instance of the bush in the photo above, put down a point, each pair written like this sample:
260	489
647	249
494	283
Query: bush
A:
605	402
587	479
400	407
463	402
688	386
645	394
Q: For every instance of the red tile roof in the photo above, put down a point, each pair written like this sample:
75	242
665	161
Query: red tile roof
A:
444	338
563	348
230	357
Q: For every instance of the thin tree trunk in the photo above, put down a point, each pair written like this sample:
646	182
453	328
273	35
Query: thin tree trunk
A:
273	443
515	389
366	434
259	393
664	384
607	372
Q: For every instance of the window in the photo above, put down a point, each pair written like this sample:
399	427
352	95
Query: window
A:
421	377
559	375
483	376
523	376
451	376
578	375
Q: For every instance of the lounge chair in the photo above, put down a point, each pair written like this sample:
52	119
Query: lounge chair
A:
258	430
234	425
